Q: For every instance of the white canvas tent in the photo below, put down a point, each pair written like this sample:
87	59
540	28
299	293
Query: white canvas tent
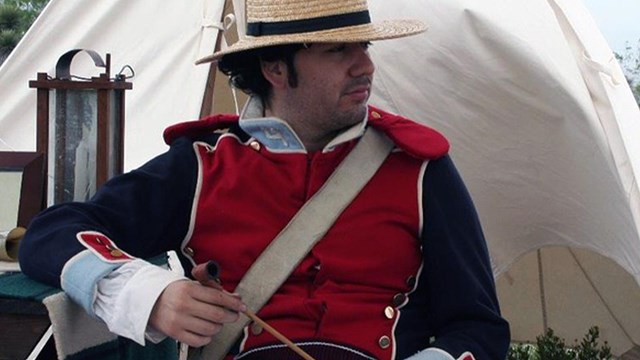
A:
540	119
160	43
542	126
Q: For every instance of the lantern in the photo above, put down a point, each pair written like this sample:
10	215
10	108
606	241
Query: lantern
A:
80	128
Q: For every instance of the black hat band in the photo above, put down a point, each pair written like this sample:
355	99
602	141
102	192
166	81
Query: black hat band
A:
308	25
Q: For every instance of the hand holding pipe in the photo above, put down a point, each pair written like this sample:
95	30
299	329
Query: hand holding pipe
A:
207	274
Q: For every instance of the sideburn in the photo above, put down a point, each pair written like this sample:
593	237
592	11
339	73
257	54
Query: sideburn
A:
292	75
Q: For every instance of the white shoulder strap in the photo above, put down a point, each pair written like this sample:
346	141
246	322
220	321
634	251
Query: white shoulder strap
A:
306	228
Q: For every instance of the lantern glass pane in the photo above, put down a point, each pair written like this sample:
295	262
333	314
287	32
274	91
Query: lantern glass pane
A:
72	145
115	133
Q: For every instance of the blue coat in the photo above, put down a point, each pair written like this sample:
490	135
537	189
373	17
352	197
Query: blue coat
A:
405	267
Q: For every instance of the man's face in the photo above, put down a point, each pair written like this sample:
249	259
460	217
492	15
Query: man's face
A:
334	84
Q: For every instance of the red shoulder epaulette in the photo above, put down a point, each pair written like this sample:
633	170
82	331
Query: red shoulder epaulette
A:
199	127
416	139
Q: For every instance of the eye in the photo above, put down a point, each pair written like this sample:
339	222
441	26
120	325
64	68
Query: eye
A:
337	48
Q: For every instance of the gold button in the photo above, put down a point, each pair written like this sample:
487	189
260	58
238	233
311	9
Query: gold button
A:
189	251
375	114
256	329
389	312
411	281
399	299
384	342
255	145
116	253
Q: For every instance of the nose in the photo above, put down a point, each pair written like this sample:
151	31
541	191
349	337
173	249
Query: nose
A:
362	63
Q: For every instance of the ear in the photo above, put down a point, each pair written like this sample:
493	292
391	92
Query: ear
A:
275	72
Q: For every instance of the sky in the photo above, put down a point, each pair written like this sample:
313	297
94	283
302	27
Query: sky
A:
618	20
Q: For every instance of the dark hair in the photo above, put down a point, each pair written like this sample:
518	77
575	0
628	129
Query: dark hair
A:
243	68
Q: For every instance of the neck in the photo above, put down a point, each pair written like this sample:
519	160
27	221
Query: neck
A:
313	137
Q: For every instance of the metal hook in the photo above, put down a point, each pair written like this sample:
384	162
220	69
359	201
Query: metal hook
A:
63	66
121	76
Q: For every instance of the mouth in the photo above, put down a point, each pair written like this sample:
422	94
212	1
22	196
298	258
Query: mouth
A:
359	91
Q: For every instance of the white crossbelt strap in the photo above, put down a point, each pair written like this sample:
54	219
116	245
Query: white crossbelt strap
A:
306	228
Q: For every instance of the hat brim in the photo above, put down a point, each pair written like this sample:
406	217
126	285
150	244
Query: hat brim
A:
388	29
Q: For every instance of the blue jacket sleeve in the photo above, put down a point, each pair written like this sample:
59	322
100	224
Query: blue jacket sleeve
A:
462	313
145	212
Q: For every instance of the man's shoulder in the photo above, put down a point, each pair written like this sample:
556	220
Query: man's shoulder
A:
412	137
200	128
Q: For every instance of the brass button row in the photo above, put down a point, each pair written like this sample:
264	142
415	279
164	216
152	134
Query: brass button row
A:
399	299
256	329
189	251
384	342
390	311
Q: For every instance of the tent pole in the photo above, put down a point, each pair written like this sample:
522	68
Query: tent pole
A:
543	303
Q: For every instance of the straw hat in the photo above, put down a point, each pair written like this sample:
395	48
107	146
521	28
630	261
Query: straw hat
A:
277	22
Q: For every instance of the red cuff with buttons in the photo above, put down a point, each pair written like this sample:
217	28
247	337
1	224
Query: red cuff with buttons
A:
103	247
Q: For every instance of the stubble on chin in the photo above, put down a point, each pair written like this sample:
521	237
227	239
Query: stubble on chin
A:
346	119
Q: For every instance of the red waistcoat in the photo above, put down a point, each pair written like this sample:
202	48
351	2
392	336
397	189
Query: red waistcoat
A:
351	287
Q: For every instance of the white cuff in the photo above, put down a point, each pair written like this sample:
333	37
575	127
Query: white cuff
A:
439	354
126	297
432	354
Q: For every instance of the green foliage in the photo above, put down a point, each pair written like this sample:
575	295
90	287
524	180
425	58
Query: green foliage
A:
8	38
551	347
630	63
590	349
11	18
521	352
16	16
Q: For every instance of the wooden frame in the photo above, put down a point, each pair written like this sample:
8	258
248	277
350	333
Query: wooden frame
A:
103	86
32	191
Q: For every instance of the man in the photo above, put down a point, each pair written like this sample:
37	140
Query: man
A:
402	273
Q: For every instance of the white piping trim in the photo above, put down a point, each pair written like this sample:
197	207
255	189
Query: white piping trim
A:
465	354
196	196
423	170
224	136
320	343
406	301
243	343
415	286
393	334
194	205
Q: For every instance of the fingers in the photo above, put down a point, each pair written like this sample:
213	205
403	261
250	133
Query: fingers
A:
213	312
192	313
192	331
195	331
191	339
218	297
